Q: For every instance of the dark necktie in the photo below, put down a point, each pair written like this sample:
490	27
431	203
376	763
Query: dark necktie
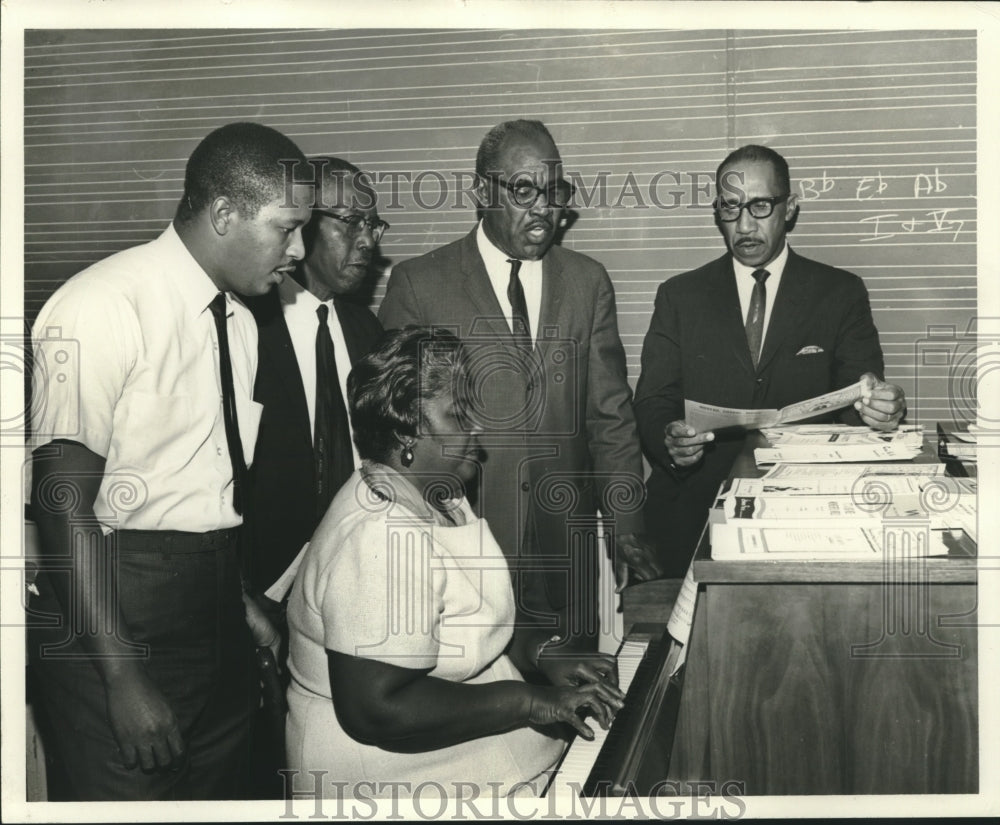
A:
755	316
332	435
218	307
518	307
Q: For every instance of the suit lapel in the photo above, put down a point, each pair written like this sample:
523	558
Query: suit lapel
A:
787	313
553	292
489	315
353	333
731	323
276	348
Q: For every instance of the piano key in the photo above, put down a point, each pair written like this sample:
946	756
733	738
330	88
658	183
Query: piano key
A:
579	759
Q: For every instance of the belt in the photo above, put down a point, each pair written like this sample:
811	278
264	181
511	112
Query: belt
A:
178	541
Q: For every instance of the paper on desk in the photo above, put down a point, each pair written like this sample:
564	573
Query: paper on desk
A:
817	543
705	417
801	454
952	512
817	435
809	443
798	471
280	588
854	483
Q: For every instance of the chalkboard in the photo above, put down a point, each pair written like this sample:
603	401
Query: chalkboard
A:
879	128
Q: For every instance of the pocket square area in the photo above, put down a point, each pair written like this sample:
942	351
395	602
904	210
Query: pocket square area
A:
810	350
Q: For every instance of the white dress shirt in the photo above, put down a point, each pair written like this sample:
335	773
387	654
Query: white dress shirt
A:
745	284
127	365
299	305
498	268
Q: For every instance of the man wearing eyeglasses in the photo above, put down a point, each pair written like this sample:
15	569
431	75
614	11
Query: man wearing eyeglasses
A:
548	371
311	330
759	328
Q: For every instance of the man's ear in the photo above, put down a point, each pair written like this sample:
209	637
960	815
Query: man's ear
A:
482	191
222	212
791	208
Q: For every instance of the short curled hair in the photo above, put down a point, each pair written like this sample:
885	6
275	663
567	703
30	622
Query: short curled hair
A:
240	161
754	153
387	388
488	156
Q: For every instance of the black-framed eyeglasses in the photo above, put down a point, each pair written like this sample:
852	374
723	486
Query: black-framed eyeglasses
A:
354	222
523	191
758	208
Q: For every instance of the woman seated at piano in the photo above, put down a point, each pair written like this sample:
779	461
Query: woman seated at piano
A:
402	613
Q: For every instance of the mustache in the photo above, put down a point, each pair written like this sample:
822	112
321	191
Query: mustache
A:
544	223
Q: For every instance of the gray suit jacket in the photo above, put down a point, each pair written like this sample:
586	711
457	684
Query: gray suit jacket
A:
559	432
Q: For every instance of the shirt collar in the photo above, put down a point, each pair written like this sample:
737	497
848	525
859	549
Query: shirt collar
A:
393	486
496	260
775	268
296	298
197	289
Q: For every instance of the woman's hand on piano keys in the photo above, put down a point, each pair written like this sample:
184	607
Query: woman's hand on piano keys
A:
572	668
549	705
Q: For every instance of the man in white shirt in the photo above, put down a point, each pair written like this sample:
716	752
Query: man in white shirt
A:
759	328
305	450
291	486
142	443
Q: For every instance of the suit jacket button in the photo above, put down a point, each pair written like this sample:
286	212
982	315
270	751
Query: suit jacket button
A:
760	380
525	486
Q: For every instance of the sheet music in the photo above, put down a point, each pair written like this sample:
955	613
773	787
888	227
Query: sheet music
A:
706	417
682	617
278	590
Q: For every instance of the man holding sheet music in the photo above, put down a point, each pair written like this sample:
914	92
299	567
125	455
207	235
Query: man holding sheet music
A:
759	328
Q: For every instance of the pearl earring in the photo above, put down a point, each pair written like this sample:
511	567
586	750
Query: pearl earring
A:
406	455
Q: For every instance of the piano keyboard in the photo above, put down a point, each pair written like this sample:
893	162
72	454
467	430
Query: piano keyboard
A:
578	761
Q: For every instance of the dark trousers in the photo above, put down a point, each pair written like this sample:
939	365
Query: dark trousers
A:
269	725
180	596
556	593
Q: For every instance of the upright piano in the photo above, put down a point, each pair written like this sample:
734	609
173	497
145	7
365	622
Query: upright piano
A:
803	678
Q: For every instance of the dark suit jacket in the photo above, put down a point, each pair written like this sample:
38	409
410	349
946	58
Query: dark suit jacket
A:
696	348
559	431
281	513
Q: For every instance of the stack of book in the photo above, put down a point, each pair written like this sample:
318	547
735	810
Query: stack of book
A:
958	441
822	511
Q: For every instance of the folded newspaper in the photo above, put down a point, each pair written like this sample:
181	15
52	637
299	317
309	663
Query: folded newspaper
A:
705	417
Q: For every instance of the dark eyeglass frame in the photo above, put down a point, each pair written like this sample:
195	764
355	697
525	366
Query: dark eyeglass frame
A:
750	205
354	222
549	191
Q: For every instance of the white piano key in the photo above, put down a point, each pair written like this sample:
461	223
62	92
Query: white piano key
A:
579	758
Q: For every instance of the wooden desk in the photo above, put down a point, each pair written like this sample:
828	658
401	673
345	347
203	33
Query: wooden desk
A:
832	677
